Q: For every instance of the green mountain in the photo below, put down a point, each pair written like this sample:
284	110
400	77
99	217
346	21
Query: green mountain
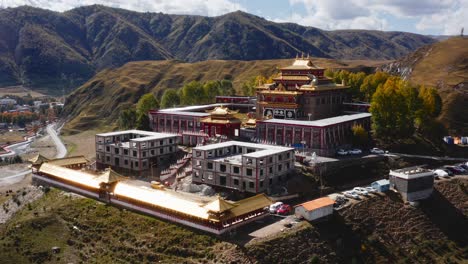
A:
49	50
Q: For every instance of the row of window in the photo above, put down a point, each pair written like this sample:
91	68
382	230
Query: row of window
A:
249	171
135	153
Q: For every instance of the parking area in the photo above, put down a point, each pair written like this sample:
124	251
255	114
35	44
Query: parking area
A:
281	224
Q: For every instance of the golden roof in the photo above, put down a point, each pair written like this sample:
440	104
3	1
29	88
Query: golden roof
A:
231	120
219	205
70	175
39	159
302	64
221	110
250	204
110	176
69	161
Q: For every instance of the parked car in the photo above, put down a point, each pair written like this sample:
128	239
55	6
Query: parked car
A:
449	172
274	207
361	191
342	152
370	189
460	168
453	169
463	165
351	194
377	151
284	209
440	173
355	151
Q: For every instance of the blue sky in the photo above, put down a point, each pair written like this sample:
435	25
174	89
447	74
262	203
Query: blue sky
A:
436	17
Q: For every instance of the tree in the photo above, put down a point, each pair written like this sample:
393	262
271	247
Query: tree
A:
389	110
226	88
127	119
431	101
371	83
146	103
360	136
170	98
211	90
192	93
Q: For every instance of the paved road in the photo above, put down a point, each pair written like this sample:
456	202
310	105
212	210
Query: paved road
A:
61	149
426	157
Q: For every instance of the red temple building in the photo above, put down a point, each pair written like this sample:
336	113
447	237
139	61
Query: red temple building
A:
301	91
221	121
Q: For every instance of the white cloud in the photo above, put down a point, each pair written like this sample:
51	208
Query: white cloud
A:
448	22
444	16
195	7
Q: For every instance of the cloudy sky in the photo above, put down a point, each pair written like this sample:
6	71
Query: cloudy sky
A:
437	17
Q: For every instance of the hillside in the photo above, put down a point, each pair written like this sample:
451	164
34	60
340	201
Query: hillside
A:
443	65
379	230
46	49
100	100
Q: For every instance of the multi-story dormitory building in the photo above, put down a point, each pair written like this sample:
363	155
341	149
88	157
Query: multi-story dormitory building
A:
134	150
242	166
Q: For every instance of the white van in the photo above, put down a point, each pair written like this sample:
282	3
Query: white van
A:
274	207
440	173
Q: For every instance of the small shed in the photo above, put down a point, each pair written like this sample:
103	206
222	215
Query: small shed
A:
381	185
315	209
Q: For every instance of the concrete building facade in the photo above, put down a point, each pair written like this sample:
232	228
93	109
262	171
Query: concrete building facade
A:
134	150
414	183
241	166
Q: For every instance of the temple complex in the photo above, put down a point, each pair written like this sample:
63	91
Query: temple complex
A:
301	91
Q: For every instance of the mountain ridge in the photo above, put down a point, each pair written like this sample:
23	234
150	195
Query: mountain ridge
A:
47	49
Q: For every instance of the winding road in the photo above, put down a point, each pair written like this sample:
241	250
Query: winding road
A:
61	149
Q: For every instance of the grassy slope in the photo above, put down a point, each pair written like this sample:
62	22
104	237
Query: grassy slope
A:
99	101
379	230
446	64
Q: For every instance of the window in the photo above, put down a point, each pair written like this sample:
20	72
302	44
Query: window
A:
161	142
261	162
249	172
236	181
287	165
136	163
271	159
161	151
152	143
251	185
198	163
270	181
261	184
236	170
261	172
197	153
144	164
280	157
288	155
280	167
134	153
210	176
249	150
144	154
126	162
116	151
222	180
170	149
125	151
209	165
210	154
222	168
152	152
108	158
270	170
171	141
107	148
249	161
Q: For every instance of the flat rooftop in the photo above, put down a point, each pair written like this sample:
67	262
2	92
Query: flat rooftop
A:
147	135
321	122
261	150
192	108
411	172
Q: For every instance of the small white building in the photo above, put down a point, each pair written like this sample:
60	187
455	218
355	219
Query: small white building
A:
315	209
